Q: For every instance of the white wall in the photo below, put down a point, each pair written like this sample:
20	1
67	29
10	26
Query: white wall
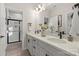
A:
3	41
61	8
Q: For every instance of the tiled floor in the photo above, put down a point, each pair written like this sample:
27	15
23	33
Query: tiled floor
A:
15	49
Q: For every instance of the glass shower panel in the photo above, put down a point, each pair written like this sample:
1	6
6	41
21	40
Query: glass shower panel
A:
13	31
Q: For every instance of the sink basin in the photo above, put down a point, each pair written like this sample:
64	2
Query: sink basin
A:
55	40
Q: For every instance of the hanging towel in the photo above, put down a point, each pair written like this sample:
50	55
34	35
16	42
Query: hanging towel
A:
75	23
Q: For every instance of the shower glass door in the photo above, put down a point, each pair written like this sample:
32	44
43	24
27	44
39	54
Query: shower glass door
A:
13	31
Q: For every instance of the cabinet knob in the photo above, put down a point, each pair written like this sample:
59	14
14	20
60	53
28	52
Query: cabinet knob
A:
34	47
28	40
34	40
46	55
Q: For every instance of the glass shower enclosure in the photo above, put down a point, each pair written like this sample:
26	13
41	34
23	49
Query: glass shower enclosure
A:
13	34
14	22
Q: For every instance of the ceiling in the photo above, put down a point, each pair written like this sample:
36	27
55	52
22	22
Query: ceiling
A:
48	6
26	5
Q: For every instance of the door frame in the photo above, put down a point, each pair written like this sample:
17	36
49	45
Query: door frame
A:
8	33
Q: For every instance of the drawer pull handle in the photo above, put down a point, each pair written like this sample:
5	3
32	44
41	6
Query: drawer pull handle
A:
34	47
34	40
28	40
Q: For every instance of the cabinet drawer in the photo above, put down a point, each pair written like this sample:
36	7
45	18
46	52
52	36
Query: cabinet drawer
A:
35	42
34	50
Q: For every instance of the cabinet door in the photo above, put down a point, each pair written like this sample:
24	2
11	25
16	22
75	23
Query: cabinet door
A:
41	51
30	48
34	51
47	53
35	42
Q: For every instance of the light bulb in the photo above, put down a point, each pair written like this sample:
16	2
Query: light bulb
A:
39	6
43	8
36	9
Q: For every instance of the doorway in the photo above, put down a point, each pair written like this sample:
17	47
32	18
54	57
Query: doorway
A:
14	31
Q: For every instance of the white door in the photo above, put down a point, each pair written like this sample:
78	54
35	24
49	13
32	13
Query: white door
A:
3	40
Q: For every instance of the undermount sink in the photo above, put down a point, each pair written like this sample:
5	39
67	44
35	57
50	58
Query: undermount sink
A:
57	40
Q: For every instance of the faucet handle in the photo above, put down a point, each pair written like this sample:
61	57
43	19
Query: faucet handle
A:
60	35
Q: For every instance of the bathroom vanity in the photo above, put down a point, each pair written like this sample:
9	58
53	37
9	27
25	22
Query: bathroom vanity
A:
53	45
50	46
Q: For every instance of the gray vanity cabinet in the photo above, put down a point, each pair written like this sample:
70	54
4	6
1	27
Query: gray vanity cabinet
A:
38	47
52	50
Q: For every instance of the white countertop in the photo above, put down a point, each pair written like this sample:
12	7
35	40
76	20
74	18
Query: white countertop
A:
71	47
